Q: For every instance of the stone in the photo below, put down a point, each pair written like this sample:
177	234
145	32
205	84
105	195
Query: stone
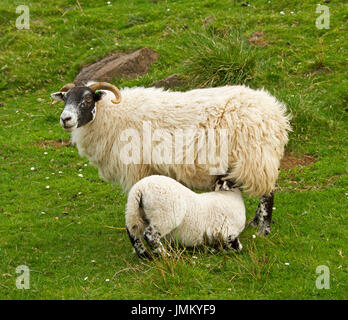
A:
118	65
169	82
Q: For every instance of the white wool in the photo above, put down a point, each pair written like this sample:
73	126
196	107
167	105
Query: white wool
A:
182	215
256	123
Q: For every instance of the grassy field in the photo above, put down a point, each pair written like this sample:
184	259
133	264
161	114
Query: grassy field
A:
62	225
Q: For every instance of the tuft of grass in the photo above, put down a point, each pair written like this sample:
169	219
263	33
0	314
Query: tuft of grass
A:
219	57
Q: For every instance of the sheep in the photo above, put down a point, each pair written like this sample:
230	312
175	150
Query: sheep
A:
160	207
138	134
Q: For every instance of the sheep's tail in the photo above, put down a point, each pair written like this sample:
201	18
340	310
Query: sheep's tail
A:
135	215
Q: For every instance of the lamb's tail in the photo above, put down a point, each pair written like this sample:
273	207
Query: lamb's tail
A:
135	215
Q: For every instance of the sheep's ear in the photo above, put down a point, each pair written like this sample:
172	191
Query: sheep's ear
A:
98	95
58	96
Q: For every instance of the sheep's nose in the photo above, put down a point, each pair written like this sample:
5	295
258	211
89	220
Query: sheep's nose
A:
65	119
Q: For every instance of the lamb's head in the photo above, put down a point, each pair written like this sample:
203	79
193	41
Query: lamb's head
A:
81	103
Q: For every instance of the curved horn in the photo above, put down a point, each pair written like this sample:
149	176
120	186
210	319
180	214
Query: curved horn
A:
67	87
107	86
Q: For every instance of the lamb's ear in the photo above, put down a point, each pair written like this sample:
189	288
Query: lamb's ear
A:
58	96
98	95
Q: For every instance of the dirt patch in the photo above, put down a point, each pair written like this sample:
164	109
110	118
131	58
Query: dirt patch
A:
321	70
57	144
257	39
290	161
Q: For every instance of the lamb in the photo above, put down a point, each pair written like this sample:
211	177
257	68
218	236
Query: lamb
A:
138	134
160	207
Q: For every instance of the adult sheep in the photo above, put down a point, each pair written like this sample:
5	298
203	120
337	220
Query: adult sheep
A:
251	130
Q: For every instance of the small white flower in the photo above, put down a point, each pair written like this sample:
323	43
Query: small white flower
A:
254	236
42	212
47	187
85	164
274	208
32	168
47	178
60	172
339	267
108	2
287	263
93	261
91	48
107	280
53	173
80	175
80	170
85	278
79	193
292	12
17	111
116	43
168	9
194	257
282	12
45	152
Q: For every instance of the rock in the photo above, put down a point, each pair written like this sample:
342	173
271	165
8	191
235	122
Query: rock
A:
118	65
169	82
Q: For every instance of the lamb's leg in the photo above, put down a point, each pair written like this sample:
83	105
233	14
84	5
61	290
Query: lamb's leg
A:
233	243
153	238
138	246
263	215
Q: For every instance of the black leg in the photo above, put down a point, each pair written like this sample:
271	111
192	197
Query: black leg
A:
263	215
138	246
223	185
153	239
234	243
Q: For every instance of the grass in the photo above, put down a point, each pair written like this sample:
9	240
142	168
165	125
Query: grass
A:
64	234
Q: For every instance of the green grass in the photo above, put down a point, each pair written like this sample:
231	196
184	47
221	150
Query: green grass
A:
72	240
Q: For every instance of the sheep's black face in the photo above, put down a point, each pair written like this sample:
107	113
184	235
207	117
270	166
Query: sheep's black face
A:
80	106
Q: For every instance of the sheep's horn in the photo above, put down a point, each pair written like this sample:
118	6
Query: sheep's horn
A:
107	86
67	87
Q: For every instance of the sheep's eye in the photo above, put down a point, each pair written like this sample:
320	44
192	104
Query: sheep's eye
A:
88	99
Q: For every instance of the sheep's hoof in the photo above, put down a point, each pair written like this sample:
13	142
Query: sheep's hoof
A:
145	256
238	246
254	222
264	228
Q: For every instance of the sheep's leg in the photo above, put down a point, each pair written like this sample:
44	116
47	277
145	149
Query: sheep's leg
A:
153	238
233	243
255	221
223	185
263	215
138	246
